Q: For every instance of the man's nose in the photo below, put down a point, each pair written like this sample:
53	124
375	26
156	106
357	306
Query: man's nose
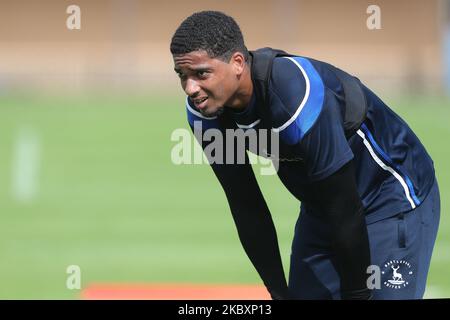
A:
192	88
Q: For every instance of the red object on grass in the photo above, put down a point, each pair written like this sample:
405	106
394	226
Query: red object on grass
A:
174	292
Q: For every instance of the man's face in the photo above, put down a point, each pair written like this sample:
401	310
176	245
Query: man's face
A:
209	82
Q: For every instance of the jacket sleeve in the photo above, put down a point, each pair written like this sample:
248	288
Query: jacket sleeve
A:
250	212
341	207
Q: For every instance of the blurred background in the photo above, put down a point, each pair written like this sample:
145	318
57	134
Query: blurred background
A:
86	117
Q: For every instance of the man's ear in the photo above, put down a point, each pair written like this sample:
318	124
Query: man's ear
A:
238	62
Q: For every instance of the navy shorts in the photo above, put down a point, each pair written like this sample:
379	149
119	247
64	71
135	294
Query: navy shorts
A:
401	247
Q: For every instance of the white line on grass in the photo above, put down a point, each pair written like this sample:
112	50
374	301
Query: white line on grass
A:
25	165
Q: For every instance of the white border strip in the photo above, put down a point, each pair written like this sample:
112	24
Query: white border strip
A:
387	168
302	104
248	126
198	114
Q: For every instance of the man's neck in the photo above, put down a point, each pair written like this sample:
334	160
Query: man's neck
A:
244	93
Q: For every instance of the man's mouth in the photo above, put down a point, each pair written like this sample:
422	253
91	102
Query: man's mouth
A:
200	103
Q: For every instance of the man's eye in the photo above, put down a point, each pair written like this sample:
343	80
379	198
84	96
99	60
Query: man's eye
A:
181	76
202	74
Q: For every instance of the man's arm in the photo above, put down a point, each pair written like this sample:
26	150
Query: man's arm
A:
342	207
254	224
249	210
309	115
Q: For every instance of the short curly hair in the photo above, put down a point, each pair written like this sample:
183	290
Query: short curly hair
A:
213	31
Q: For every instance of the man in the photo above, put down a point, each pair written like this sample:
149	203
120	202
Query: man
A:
368	191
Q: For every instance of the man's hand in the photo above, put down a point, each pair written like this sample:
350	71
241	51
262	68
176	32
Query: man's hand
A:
282	294
363	294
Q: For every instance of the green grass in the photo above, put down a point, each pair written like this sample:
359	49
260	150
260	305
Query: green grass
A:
111	201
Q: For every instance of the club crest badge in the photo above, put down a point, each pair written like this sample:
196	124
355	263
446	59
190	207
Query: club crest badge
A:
398	274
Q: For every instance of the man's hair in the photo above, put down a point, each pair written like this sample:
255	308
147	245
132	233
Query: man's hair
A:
212	31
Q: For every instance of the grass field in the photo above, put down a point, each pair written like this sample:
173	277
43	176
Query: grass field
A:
108	199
